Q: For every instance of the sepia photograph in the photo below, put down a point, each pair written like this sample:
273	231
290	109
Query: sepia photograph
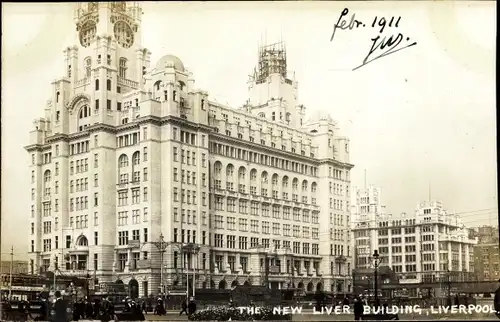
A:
260	160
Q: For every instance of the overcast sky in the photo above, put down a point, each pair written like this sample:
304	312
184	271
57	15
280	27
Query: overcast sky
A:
422	116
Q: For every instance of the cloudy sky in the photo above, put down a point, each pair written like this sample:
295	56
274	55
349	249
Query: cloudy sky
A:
424	116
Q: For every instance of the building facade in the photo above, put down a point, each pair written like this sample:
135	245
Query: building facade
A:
487	254
140	178
367	210
419	247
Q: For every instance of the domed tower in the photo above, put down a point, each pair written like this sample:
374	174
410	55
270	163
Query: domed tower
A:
273	95
106	62
173	87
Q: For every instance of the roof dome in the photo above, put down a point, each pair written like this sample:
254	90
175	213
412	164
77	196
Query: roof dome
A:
320	115
171	60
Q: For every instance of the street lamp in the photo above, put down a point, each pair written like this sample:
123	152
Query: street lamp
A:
376	262
191	249
162	247
87	277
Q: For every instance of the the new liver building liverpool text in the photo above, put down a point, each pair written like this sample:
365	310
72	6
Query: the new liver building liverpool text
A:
137	176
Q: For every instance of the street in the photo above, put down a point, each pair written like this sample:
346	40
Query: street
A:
174	316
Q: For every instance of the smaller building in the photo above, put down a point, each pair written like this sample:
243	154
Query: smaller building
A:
487	253
419	246
18	267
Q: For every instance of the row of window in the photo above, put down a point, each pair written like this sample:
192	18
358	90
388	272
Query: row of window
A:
264	227
189	177
136	196
123	217
263	159
188	157
265	210
123	236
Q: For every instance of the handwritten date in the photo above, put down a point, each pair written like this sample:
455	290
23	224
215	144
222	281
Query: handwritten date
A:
381	45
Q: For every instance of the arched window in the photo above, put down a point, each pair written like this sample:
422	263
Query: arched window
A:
82	241
125	120
229	171
88	66
84	112
47	177
285	182
136	158
123	161
217	169
84	117
122	70
262	115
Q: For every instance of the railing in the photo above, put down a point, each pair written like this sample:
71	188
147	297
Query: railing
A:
127	82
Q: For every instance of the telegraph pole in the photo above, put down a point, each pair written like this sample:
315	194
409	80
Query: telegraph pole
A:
10	274
449	288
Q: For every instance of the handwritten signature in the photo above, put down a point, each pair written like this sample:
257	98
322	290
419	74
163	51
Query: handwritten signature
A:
381	45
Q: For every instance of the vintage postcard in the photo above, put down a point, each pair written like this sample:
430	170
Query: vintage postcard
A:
283	158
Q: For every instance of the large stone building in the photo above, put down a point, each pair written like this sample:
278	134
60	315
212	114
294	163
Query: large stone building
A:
487	254
428	245
130	159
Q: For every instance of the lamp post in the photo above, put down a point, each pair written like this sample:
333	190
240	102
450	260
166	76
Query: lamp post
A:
87	285
162	247
449	287
376	261
191	249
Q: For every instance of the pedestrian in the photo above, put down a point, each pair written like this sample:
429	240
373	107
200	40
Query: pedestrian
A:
59	308
143	307
43	311
345	302
358	308
97	309
89	310
191	306
184	308
496	301
107	310
159	309
76	311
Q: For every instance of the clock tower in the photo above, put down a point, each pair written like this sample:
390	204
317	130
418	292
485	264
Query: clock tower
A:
106	62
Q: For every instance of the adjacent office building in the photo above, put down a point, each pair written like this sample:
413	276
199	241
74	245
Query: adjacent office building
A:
423	246
487	254
138	177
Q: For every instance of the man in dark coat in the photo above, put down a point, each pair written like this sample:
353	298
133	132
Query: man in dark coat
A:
184	308
346	301
43	311
89	310
358	309
107	310
191	306
496	301
60	313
